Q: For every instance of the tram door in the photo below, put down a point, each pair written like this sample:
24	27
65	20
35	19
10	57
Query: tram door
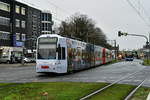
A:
62	58
1	51
71	54
104	55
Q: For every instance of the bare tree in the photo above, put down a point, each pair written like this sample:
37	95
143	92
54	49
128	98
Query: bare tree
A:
81	27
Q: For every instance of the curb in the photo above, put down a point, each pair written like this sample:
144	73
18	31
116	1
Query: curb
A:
17	65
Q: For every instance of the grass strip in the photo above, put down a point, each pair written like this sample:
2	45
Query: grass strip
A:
146	62
49	91
4	84
67	91
141	94
116	92
112	62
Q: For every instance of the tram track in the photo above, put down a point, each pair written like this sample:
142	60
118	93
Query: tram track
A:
134	90
114	83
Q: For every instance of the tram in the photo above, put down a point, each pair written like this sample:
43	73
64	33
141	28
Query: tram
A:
57	54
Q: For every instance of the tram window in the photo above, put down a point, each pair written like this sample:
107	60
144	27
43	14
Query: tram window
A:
59	53
63	53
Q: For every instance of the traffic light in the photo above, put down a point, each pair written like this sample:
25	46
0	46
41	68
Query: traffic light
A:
125	34
147	43
120	33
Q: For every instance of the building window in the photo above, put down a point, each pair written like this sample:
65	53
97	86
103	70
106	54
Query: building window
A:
42	16
17	23
4	35
42	26
4	21
5	6
47	27
49	17
23	11
23	38
23	24
45	17
17	9
17	36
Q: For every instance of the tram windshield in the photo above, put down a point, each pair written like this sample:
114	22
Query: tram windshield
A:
47	48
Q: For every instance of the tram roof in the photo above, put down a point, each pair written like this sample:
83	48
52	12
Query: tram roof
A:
51	35
59	36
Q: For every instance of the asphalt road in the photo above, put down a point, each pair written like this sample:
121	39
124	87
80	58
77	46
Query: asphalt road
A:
105	73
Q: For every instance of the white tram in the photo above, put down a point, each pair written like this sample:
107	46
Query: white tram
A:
57	54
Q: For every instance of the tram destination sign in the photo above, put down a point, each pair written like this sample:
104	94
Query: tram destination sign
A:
48	40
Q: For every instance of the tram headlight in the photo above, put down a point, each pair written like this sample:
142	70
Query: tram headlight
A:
4	53
53	63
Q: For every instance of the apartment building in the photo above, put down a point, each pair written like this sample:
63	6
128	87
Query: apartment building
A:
20	25
46	22
33	27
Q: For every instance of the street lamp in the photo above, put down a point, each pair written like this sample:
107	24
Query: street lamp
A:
115	47
125	34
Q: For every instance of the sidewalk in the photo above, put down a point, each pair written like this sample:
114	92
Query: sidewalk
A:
18	65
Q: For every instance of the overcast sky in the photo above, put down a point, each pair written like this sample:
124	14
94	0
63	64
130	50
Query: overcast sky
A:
110	15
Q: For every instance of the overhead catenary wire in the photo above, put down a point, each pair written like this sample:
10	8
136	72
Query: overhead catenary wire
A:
57	19
60	9
52	11
57	7
138	12
55	13
30	4
63	10
143	11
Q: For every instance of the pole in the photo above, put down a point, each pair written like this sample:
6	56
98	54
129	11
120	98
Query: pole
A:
147	43
23	51
115	50
114	47
140	36
149	46
149	38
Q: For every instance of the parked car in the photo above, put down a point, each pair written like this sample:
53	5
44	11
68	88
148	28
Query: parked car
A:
129	58
5	59
29	60
9	59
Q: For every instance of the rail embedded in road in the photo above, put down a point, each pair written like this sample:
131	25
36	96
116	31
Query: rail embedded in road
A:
134	90
110	85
